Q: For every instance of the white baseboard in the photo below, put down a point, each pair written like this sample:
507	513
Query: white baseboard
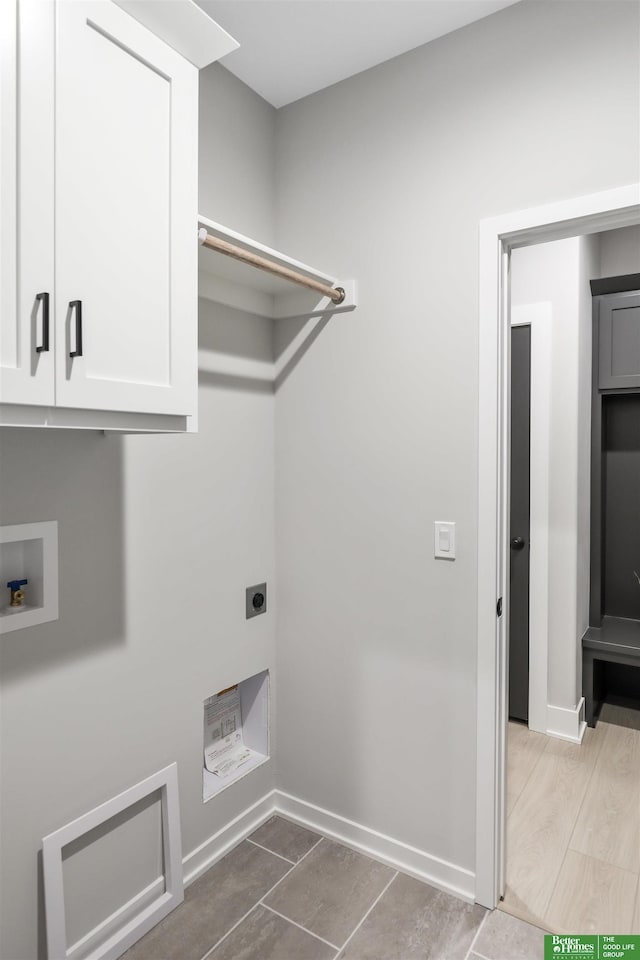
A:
401	856
566	723
238	829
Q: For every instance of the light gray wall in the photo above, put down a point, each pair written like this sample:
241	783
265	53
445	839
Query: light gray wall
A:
620	252
159	536
385	177
237	138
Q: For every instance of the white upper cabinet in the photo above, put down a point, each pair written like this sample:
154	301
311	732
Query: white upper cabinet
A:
126	281
98	187
26	203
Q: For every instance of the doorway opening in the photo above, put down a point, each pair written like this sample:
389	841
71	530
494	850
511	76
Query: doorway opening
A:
564	830
499	236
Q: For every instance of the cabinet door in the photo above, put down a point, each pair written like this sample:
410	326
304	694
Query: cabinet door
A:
619	358
126	213
26	202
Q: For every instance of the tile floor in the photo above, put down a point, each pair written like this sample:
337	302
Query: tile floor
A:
573	827
286	893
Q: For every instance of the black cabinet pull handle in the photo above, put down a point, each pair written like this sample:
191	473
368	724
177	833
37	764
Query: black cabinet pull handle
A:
44	346
77	306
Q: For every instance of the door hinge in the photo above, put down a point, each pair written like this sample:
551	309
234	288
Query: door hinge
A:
499	607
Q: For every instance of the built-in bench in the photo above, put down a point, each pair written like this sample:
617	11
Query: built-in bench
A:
616	641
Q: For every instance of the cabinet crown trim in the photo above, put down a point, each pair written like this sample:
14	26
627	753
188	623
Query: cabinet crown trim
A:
185	27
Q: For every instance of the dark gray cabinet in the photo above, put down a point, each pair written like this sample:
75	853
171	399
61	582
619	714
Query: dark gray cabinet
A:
619	341
611	645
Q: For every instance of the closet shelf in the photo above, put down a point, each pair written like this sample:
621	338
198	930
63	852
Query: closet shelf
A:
616	635
243	286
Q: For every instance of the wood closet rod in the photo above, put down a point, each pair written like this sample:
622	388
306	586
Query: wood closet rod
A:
335	294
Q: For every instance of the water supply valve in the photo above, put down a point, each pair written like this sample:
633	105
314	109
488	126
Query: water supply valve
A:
17	595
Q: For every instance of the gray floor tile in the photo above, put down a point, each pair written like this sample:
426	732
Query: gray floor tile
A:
266	936
506	938
414	921
330	891
212	905
285	838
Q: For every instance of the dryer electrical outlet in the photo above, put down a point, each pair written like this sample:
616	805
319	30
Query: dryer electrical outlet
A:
256	600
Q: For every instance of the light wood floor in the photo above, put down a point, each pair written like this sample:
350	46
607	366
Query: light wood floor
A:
573	827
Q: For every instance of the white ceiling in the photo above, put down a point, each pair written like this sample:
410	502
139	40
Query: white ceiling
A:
291	48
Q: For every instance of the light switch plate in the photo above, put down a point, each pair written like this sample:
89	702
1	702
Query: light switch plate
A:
444	539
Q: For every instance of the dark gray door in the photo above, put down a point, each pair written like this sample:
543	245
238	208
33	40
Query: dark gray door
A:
519	523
